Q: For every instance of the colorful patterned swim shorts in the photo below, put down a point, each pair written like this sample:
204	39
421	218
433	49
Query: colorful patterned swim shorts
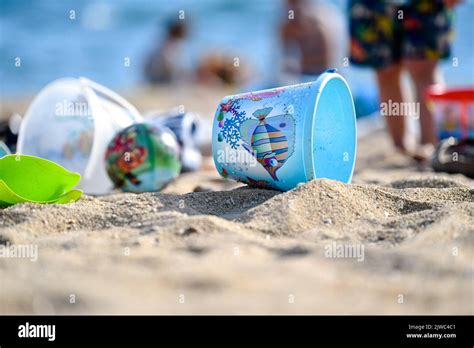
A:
384	32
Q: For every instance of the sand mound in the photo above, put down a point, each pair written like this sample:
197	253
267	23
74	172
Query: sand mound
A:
327	209
327	205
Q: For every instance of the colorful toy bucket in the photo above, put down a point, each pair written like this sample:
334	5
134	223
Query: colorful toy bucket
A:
71	122
453	110
281	137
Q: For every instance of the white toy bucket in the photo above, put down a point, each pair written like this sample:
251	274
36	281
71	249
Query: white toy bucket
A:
71	122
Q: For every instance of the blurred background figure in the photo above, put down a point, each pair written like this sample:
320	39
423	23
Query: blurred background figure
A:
309	37
398	36
220	69
163	64
126	44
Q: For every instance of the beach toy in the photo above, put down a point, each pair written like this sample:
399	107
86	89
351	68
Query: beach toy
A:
70	122
36	180
143	158
281	137
454	156
3	149
453	110
186	128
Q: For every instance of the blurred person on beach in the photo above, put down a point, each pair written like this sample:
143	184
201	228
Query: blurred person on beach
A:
403	35
163	63
220	69
307	37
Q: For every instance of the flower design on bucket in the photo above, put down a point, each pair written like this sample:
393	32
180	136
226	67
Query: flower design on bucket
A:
269	139
230	126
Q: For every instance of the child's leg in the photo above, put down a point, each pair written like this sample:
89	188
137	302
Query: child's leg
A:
389	86
422	72
427	34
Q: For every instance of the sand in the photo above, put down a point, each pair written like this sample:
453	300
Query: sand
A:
206	245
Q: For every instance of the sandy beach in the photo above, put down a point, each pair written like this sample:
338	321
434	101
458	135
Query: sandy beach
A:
205	245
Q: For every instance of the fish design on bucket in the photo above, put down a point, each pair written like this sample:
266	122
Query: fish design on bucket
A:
269	139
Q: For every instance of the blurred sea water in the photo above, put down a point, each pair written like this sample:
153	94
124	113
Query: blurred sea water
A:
105	34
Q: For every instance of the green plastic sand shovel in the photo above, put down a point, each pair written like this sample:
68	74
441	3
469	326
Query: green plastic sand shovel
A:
32	179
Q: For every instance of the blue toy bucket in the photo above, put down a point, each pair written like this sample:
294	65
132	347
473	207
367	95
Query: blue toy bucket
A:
281	137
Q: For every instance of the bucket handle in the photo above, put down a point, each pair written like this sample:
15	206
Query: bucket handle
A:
112	96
